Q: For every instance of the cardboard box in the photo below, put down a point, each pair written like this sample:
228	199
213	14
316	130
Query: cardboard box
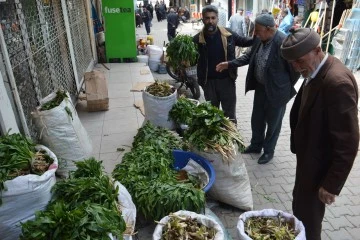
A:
96	91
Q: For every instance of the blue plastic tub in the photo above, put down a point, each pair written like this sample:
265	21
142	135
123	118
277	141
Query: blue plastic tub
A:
182	158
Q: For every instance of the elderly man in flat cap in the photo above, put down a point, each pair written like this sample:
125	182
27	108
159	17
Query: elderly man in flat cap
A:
324	127
272	78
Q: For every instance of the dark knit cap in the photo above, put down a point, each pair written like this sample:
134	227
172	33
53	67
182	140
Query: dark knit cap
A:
266	20
299	42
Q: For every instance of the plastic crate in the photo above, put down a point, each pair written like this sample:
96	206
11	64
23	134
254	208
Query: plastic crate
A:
183	157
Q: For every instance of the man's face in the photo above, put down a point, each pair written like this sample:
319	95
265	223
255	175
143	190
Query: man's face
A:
210	20
306	64
262	32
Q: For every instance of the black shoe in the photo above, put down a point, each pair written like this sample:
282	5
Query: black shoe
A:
251	149
265	158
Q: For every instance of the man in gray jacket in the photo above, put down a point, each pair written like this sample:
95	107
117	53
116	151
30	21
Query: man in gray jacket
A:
237	25
273	80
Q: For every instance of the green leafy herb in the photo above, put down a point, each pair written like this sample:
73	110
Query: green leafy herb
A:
18	156
182	52
147	174
87	221
82	207
60	96
211	130
182	111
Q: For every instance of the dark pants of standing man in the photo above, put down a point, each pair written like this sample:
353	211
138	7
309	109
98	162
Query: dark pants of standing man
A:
147	26
171	33
222	91
263	115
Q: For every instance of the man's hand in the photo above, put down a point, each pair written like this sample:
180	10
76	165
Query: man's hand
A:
222	66
325	196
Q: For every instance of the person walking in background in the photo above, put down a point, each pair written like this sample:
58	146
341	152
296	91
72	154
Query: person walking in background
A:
287	21
146	17
173	22
217	44
157	11
237	25
273	80
324	127
150	8
249	27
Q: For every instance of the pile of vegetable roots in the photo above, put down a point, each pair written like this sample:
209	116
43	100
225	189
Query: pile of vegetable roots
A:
186	228
271	228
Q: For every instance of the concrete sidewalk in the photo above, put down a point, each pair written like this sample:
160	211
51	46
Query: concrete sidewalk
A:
272	183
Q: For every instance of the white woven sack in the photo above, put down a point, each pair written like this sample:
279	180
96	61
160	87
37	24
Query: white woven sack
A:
128	209
63	134
24	196
232	184
299	227
157	109
204	220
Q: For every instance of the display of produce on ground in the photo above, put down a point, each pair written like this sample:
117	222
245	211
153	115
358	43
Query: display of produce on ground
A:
147	183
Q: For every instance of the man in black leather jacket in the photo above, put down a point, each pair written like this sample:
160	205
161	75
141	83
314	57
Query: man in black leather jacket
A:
215	45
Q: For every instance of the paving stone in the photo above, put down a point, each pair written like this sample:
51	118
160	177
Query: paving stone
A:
340	211
342	200
287	188
324	236
263	174
354	232
355	210
276	180
264	206
327	226
279	206
355	220
231	221
355	189
345	191
283	197
290	179
342	222
273	189
340	234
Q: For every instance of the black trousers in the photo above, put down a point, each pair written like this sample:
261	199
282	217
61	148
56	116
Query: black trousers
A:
147	26
222	91
308	208
171	33
265	116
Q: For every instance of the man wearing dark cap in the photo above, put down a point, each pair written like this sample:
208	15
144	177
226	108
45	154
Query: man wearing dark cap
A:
324	127
217	44
272	78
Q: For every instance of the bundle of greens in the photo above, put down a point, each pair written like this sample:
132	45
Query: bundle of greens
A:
182	52
60	221
60	96
182	111
147	174
82	207
160	89
183	227
211	130
276	228
18	157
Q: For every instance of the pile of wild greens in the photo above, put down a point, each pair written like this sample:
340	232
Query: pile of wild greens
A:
60	96
182	111
82	207
211	130
277	228
18	157
147	173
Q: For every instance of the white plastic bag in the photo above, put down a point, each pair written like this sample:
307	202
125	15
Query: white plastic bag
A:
128	210
63	134
299	227
157	109
25	195
204	220
232	184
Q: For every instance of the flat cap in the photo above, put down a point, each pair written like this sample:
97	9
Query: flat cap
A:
299	42
265	19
